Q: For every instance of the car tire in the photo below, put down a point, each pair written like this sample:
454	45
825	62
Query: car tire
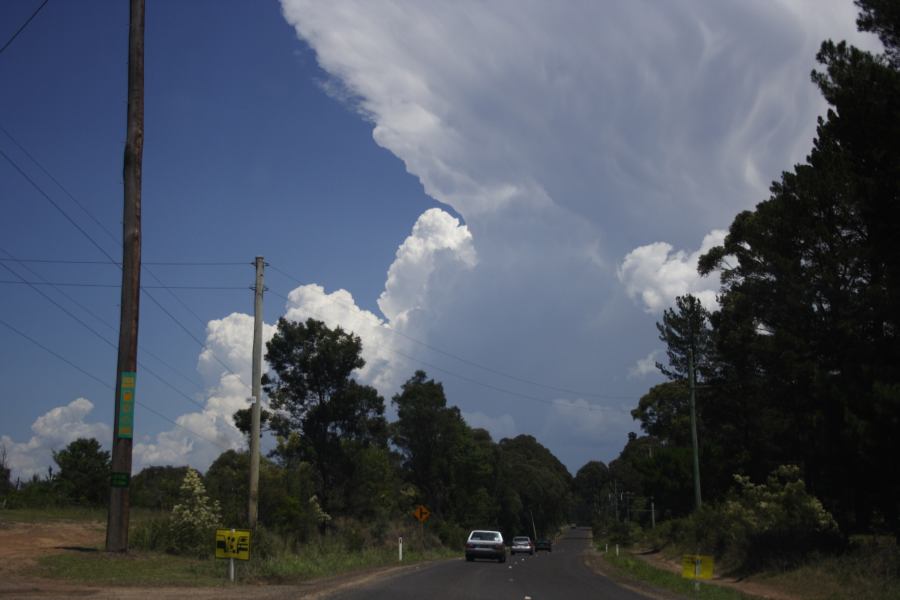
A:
470	558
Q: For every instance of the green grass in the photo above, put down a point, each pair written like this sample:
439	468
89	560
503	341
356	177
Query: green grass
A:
634	568
157	569
326	560
52	515
138	569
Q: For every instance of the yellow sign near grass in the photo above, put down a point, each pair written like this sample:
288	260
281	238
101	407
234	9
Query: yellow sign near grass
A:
697	566
233	543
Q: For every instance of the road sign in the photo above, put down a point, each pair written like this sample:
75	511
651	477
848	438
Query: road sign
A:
233	543
696	566
421	513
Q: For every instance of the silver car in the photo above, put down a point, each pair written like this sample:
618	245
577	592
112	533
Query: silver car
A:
521	543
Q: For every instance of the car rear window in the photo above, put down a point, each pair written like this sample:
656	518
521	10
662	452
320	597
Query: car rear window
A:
485	536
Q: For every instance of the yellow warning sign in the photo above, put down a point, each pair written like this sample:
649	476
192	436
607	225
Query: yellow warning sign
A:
421	513
697	566
233	543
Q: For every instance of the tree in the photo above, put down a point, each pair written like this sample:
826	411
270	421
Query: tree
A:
807	332
430	437
587	488
157	487
320	414
6	485
84	471
685	331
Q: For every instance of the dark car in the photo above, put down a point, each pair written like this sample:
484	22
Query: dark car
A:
544	545
485	544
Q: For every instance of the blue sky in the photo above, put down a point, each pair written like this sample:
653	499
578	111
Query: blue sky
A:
506	195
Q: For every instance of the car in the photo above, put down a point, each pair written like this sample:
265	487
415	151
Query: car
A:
485	544
521	543
544	545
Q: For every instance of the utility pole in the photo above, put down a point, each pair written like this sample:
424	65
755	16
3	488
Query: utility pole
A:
126	367
697	501
253	512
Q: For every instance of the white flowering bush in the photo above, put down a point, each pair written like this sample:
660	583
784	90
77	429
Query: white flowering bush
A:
195	518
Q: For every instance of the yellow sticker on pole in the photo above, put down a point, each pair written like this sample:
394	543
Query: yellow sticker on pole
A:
696	566
233	543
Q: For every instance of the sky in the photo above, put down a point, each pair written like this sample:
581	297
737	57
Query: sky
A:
506	195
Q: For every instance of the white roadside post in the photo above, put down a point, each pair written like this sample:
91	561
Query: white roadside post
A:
401	549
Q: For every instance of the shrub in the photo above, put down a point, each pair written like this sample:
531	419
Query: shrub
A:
776	523
194	518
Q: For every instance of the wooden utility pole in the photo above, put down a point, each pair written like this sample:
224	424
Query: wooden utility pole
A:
253	511
126	368
694	444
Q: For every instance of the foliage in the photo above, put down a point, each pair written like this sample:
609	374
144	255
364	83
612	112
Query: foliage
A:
774	524
194	519
84	469
157	487
321	415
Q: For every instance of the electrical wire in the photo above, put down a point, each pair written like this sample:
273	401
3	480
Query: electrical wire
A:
118	264
24	25
108	325
474	364
107	385
117	285
109	257
481	383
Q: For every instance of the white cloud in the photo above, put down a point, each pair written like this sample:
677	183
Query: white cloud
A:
644	366
225	363
657	275
652	121
435	237
437	247
53	430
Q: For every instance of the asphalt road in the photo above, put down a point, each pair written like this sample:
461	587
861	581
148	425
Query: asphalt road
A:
544	576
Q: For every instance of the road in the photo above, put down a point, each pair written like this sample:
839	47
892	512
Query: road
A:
560	574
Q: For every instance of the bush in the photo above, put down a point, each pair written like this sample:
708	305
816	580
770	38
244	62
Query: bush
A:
194	519
775	524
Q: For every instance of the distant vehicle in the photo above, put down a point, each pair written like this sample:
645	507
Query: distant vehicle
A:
521	543
485	544
544	545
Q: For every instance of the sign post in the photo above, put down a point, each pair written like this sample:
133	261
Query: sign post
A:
421	514
232	544
696	567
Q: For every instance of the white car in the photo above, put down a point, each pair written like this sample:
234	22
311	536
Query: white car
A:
522	543
485	544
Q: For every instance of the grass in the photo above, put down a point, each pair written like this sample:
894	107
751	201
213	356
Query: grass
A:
144	566
52	515
133	569
158	569
634	568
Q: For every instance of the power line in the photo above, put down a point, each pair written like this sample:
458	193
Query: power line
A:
478	382
118	264
106	384
24	25
118	285
110	258
477	365
103	321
